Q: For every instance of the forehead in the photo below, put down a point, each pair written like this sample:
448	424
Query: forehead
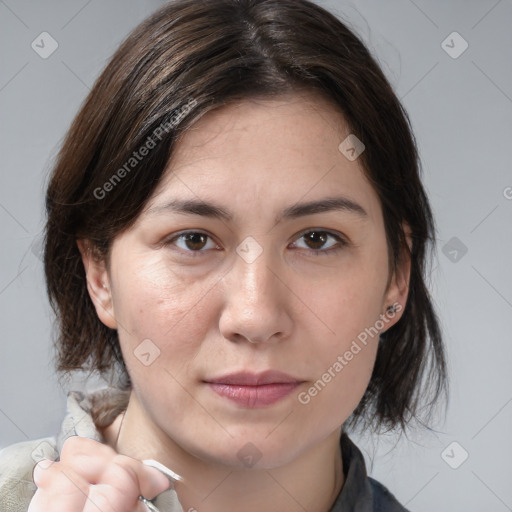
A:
266	152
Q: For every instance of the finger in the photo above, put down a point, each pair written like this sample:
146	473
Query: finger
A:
105	498
93	460
40	471
59	489
56	474
86	456
127	473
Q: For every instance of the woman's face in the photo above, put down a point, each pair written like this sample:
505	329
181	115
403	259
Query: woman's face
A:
263	249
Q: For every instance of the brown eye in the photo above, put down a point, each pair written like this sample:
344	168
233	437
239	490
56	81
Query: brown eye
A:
319	242
195	241
316	239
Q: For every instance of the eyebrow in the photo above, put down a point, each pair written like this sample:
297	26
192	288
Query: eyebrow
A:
206	209
327	204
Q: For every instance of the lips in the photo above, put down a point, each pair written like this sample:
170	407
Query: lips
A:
254	379
254	390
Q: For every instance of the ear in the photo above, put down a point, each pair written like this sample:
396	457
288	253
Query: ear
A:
98	283
398	287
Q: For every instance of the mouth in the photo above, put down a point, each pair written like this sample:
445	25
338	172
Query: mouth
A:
254	390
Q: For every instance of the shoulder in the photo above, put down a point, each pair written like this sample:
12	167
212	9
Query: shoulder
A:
16	465
383	499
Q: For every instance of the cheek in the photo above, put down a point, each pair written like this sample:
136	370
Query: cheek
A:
341	363
349	302
332	397
153	302
342	360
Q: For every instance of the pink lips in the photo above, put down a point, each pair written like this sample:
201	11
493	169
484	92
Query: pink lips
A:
254	390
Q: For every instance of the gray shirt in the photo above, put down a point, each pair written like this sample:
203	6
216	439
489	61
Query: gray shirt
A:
360	493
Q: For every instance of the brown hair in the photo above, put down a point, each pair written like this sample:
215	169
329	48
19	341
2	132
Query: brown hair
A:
193	56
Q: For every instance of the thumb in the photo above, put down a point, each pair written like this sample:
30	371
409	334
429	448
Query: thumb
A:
152	482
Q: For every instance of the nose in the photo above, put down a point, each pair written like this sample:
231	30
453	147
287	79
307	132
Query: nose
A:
257	302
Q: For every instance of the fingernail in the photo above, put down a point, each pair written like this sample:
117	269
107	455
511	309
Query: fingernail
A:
159	479
169	473
45	463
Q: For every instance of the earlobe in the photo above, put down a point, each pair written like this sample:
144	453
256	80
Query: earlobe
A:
98	283
398	290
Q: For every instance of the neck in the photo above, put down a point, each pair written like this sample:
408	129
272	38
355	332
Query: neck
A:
310	482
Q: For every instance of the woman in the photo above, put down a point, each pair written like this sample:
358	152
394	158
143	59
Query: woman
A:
238	232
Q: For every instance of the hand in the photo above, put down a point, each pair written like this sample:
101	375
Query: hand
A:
92	477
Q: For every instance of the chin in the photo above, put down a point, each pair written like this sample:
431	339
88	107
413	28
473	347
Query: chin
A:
252	452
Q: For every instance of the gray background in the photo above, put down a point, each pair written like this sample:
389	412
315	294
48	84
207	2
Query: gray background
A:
461	110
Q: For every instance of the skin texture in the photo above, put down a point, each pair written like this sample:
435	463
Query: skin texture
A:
209	312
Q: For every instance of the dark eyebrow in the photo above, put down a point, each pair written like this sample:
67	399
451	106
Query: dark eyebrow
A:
192	207
205	209
323	205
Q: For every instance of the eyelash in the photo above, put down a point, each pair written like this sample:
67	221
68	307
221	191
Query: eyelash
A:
341	242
